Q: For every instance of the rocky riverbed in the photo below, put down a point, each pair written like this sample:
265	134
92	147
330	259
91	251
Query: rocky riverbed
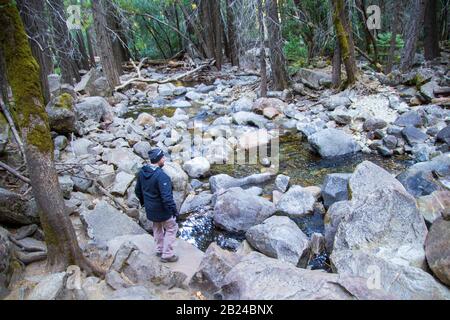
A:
346	187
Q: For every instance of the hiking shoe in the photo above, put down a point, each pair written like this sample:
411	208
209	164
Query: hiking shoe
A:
159	254
173	258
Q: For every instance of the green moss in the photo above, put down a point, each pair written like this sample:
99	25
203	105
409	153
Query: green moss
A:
21	68
64	101
40	137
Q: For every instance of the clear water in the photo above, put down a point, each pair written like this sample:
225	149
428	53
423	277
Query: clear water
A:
296	161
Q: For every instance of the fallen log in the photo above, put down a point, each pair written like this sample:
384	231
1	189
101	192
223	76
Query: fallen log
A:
172	79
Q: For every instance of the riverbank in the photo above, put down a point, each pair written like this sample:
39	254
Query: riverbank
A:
360	179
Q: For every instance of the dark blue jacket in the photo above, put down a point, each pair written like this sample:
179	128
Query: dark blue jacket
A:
154	190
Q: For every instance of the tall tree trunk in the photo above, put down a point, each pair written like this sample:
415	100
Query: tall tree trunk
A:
431	30
343	31
192	27
115	34
208	32
277	60
232	39
395	30
336	76
212	30
226	42
84	59
32	13
216	20
23	77
89	47
177	23
63	46
262	51
412	34
104	44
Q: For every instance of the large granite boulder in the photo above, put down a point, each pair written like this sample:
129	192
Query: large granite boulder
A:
297	201
369	177
122	183
223	181
124	159
437	249
401	282
313	78
332	143
94	83
106	222
51	287
413	135
383	218
197	167
236	210
215	265
257	277
134	256
335	188
249	118
195	203
94	108
333	218
386	223
242	104
280	238
421	178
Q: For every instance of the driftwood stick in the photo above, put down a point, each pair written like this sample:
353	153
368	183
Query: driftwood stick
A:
14	172
176	78
13	127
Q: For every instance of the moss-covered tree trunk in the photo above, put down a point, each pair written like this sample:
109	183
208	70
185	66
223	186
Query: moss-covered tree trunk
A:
343	32
32	12
23	76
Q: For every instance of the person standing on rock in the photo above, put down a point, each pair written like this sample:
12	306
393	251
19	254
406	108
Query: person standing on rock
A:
154	191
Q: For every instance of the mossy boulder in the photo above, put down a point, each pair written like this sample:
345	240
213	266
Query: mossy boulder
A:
61	114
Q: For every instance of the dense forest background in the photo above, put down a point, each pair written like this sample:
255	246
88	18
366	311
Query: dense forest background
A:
298	33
